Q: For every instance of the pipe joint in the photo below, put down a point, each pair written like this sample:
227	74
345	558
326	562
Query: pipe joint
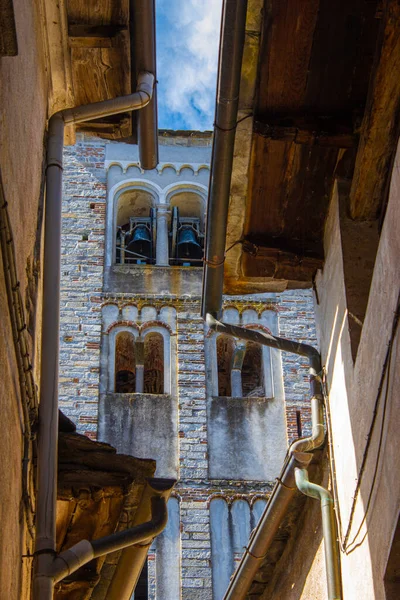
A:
71	560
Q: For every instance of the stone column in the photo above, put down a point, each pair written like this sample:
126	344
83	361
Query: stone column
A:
236	383
162	244
139	382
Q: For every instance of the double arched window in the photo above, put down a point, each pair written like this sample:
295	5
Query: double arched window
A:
147	224
141	362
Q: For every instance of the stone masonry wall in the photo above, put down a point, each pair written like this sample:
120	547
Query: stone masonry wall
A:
84	205
82	259
296	322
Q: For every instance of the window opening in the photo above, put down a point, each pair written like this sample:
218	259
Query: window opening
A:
154	363
252	379
125	363
298	423
136	240
142	586
225	350
135	228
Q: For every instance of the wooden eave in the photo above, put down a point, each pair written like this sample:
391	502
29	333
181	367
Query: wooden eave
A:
91	58
327	98
99	492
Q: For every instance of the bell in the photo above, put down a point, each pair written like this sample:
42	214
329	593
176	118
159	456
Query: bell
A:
188	246
139	243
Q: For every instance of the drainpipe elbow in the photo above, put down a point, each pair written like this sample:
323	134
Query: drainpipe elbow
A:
310	489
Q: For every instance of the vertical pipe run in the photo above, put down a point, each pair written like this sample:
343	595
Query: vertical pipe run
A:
332	561
227	103
45	547
48	408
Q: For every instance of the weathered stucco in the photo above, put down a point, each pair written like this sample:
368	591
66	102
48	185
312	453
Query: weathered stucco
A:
142	425
23	112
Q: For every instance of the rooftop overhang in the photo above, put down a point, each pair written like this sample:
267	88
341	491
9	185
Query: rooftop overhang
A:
101	492
95	52
319	99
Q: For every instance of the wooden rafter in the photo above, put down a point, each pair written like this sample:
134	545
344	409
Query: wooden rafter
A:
381	123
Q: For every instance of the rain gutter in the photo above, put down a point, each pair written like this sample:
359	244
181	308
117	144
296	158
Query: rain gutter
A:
144	50
48	407
332	561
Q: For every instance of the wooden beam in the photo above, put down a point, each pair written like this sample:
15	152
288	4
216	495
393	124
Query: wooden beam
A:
277	264
99	36
318	131
381	123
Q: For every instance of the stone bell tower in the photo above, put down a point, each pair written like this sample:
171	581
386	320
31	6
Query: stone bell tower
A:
140	370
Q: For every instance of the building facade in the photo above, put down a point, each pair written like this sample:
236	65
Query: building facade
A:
140	370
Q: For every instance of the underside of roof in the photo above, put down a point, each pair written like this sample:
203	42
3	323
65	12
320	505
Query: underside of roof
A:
99	492
319	100
93	57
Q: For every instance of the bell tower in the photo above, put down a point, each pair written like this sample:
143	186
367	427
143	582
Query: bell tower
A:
141	371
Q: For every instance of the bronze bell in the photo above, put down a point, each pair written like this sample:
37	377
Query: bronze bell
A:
139	243
188	245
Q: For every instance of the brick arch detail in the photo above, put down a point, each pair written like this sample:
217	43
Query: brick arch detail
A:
122	324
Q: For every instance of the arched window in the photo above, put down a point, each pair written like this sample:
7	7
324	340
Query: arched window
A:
225	350
135	228
154	363
125	363
252	371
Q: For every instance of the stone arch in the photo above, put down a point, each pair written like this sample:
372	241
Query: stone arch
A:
190	198
140	195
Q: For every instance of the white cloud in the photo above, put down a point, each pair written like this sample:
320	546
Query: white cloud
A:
187	56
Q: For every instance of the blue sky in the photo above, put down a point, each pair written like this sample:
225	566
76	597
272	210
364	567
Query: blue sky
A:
187	57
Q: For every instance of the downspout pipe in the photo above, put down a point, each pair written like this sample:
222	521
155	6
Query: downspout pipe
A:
229	68
48	407
69	561
332	561
143	15
298	456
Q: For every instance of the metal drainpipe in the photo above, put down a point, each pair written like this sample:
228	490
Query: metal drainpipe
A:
55	568
332	561
48	408
227	102
298	456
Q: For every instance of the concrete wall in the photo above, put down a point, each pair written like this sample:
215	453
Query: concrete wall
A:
143	425
24	88
368	517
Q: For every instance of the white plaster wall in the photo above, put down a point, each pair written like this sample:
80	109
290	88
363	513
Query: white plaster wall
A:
353	390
